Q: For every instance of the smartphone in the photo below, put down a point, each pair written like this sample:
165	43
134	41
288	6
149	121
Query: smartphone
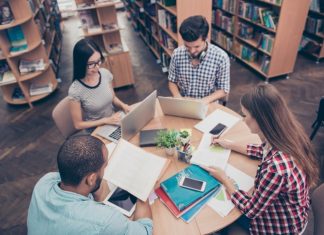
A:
218	129
121	200
193	184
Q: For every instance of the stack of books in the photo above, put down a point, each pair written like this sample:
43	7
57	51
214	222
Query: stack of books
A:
183	202
27	66
40	89
17	40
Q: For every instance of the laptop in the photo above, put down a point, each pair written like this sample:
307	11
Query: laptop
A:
132	122
183	107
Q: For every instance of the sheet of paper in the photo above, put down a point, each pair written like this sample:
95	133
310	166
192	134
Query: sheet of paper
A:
221	202
244	181
218	116
133	169
110	147
207	155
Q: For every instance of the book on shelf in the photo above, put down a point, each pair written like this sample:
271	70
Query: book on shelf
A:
27	66
17	94
40	88
140	169
309	46
182	197
115	48
88	19
7	77
6	16
3	68
110	26
17	39
94	29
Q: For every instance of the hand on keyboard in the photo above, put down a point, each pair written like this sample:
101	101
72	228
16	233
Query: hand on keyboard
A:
114	119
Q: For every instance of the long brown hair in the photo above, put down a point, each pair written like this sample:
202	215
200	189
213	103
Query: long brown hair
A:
281	129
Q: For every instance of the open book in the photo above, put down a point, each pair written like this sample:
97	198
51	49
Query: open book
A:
134	170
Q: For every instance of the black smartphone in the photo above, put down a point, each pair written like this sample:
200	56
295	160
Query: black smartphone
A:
218	129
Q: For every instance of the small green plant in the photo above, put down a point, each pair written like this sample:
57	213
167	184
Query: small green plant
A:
167	139
184	134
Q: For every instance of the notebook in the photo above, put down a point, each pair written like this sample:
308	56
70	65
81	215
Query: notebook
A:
148	137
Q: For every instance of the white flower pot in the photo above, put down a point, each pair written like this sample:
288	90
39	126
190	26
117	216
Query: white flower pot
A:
170	151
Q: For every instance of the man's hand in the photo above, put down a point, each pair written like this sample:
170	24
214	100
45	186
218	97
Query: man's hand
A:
102	192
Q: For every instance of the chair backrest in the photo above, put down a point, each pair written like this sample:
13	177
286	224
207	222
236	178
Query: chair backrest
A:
318	209
62	118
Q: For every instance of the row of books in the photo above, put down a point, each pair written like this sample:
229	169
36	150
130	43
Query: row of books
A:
314	25
309	46
27	66
168	2
186	203
223	21
228	5
167	20
317	5
6	15
263	40
34	89
264	62
257	14
167	41
222	39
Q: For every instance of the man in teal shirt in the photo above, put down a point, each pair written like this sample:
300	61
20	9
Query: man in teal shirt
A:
68	202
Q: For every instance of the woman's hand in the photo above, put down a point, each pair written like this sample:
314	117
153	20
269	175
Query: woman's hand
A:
228	144
113	119
126	108
221	176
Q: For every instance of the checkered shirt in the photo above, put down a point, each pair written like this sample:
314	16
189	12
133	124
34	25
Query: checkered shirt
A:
213	72
280	200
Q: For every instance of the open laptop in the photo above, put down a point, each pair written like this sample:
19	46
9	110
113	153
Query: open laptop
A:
132	122
183	107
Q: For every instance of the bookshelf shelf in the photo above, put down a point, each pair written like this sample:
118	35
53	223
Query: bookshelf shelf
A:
158	24
97	15
264	49
16	22
313	38
223	30
171	9
33	36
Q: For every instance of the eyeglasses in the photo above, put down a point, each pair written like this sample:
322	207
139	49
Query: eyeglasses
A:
93	64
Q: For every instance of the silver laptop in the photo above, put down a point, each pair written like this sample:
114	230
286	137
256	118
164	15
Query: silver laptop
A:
183	107
132	122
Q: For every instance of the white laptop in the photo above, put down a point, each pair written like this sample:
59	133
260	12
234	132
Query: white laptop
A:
183	107
132	122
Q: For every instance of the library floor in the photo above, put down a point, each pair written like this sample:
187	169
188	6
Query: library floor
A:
30	140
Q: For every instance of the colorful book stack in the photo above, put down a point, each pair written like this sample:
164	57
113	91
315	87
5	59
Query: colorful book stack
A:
183	202
17	40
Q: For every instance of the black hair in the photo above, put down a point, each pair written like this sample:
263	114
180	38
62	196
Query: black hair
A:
194	27
79	156
82	51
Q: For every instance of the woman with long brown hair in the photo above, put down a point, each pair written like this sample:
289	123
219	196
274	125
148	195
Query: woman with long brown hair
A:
288	169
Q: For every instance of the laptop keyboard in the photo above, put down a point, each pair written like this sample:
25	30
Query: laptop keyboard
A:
116	134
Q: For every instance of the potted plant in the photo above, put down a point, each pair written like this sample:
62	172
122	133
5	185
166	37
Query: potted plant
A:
184	137
168	140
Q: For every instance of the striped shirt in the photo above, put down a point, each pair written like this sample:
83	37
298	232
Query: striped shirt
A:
280	200
96	101
211	74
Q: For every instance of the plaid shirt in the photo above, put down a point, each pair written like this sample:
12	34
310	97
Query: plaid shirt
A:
280	200
212	73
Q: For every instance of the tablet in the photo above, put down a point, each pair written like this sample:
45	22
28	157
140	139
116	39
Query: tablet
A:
121	200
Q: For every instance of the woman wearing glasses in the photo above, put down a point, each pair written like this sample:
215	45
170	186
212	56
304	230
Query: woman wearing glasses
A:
91	94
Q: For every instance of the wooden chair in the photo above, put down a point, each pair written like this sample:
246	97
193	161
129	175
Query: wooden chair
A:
62	117
319	120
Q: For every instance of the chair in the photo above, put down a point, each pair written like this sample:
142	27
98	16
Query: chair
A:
319	120
62	117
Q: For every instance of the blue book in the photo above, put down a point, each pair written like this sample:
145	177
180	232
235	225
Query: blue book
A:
183	197
191	213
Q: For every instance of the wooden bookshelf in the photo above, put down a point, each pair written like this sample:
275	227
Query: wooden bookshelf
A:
26	18
313	38
162	38
100	14
251	34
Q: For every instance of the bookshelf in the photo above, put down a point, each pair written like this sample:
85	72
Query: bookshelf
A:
99	23
31	36
158	22
260	33
313	38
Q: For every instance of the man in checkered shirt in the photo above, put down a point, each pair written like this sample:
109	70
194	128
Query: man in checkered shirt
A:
198	69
